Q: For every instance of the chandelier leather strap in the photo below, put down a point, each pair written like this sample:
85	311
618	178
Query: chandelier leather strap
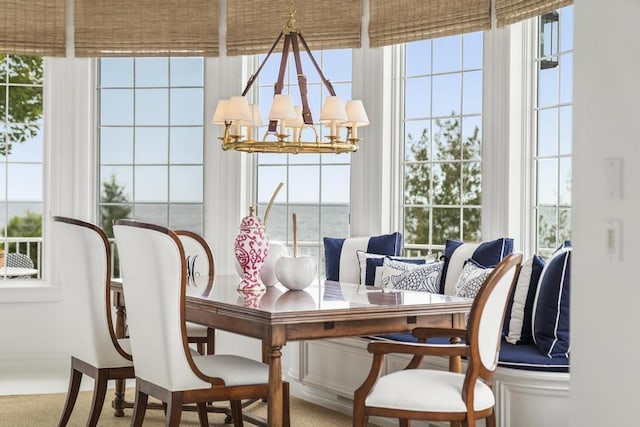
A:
254	76
302	81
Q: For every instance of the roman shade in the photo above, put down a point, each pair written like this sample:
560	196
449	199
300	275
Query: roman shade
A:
510	11
253	25
146	28
33	27
393	22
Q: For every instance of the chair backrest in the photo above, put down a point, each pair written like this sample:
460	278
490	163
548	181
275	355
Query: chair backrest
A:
153	267
486	316
14	259
199	256
82	260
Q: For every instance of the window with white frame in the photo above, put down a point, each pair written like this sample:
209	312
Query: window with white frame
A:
151	121
316	186
553	142
21	165
441	111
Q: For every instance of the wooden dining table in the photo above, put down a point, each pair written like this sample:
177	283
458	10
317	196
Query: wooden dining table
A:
326	309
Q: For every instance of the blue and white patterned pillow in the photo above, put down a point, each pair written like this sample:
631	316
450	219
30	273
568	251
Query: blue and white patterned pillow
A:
411	277
471	279
371	266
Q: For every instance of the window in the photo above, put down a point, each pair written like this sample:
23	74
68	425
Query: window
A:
554	109
21	161
316	185
442	141
151	124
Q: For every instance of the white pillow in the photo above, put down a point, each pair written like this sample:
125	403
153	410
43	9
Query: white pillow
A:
362	260
412	277
471	279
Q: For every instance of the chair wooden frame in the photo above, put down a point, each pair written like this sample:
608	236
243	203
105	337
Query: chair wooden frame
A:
218	391
476	370
205	344
80	367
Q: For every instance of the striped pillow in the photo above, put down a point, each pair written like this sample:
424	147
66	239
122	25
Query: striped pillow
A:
517	322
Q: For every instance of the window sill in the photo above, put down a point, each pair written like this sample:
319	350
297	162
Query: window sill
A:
27	291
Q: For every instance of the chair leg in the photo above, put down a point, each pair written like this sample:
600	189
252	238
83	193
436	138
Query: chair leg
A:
139	408
99	392
491	420
200	348
72	394
236	413
174	410
203	414
286	416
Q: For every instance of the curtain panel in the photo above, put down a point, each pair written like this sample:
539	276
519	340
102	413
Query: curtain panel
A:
33	27
254	25
511	11
400	21
146	28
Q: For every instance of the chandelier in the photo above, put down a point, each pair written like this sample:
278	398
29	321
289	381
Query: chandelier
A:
286	121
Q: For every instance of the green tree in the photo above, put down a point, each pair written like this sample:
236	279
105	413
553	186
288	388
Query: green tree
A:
115	204
438	180
23	112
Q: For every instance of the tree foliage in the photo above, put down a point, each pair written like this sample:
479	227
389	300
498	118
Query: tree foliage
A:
115	204
441	176
23	113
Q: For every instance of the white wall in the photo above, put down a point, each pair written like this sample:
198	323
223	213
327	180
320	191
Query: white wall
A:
605	293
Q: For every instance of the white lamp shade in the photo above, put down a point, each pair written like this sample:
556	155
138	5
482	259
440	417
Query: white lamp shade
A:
333	109
237	110
256	117
297	122
282	108
356	113
221	110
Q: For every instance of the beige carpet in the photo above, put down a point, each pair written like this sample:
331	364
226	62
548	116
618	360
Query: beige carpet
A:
44	410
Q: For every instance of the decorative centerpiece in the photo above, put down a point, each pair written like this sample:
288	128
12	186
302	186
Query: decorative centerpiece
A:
297	272
251	248
276	250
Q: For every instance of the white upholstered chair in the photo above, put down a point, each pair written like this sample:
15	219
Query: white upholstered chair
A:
434	395
153	266
200	259
83	261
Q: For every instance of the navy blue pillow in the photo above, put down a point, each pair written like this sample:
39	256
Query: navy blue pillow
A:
551	306
372	263
385	244
488	254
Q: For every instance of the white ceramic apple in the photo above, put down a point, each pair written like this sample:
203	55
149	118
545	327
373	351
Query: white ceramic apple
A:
268	270
296	273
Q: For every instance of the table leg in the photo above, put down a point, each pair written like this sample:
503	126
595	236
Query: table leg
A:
274	404
118	401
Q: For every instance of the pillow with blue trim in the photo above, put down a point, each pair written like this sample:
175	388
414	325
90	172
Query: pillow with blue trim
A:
456	253
517	321
411	277
551	306
471	279
371	266
334	256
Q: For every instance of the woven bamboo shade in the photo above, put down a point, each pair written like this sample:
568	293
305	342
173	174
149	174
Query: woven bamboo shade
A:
401	21
146	28
33	27
510	11
253	25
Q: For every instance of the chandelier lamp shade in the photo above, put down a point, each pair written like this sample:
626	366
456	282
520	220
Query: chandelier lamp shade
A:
286	120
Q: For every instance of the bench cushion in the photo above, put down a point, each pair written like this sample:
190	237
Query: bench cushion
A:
522	356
